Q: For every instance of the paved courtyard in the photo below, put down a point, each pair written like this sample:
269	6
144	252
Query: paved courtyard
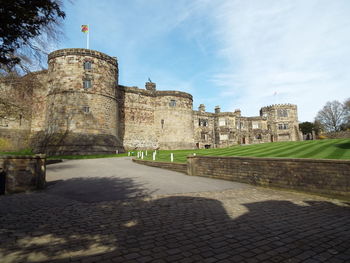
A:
113	210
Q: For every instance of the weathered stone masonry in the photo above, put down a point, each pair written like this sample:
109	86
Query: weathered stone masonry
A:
78	107
22	173
330	177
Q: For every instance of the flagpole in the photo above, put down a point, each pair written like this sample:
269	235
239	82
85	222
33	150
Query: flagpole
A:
87	37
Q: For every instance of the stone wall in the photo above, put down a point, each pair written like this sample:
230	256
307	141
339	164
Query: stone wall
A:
15	111
177	167
78	107
136	115
283	121
309	175
338	135
174	120
151	119
22	173
81	116
204	128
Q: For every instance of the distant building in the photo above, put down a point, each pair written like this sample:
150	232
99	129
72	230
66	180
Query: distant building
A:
78	107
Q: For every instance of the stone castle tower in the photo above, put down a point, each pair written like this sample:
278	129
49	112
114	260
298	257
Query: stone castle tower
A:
78	107
81	104
283	121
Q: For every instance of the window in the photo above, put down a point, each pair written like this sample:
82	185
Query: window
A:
283	126
282	113
222	122
203	122
258	136
223	137
240	125
204	136
86	109
87	65
255	125
172	103
3	122
87	84
162	123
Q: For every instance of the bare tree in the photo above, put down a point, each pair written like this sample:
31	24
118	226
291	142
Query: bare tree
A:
27	30
346	125
332	115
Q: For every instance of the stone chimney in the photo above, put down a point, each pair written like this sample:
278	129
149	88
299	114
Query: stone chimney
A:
238	112
150	86
217	109
201	108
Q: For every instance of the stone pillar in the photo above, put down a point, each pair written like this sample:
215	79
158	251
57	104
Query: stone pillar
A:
23	173
238	112
201	108
191	165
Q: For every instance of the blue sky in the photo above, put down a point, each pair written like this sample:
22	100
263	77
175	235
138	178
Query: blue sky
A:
237	54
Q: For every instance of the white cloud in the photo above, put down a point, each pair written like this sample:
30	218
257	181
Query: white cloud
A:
299	49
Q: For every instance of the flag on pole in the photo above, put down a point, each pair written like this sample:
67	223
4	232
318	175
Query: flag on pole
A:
85	28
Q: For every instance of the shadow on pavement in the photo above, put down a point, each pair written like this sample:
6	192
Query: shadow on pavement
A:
96	189
59	226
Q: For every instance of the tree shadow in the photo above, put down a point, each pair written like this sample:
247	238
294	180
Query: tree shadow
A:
345	145
55	226
97	189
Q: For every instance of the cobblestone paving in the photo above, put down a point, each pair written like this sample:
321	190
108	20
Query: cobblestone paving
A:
241	225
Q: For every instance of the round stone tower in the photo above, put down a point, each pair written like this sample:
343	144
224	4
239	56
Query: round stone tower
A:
82	107
174	119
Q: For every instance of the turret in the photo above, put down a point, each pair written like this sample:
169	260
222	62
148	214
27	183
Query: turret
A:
81	103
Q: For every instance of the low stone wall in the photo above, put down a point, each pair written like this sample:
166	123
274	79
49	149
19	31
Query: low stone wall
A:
338	135
22	173
177	167
309	175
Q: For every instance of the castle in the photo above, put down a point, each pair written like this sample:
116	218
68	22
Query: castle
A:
78	107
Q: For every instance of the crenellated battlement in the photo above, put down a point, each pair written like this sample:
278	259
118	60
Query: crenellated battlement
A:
275	106
83	52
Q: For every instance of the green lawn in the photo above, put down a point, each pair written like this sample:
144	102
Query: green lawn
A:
29	152
320	149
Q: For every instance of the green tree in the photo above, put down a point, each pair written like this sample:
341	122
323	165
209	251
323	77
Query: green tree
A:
306	127
26	26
